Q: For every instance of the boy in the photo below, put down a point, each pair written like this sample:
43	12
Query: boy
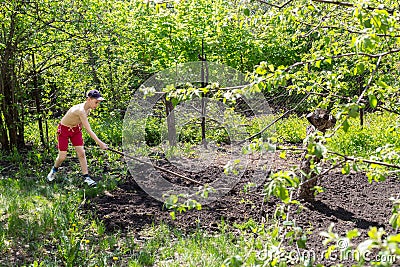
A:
70	128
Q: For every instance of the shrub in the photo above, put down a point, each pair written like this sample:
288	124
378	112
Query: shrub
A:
153	131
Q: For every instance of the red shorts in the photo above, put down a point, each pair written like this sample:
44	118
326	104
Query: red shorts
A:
65	133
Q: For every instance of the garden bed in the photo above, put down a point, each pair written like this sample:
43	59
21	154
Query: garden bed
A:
348	202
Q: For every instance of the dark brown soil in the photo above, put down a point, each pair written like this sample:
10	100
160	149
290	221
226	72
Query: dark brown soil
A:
348	202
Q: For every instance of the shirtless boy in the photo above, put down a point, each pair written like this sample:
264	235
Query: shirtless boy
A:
70	128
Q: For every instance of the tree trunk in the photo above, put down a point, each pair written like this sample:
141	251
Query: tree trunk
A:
320	120
203	122
306	191
11	127
204	83
36	96
169	110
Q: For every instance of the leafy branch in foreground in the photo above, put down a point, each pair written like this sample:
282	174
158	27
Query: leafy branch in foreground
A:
172	203
378	249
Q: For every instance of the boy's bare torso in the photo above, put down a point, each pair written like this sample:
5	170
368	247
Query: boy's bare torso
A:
74	115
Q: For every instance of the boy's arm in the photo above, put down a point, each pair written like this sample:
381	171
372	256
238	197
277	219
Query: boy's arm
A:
85	123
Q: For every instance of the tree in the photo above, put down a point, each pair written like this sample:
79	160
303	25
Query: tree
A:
15	38
351	61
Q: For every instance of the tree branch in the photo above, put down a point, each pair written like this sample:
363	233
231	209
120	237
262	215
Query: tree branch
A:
346	158
277	6
347	4
365	160
388	110
370	80
345	30
343	55
323	173
272	123
333	2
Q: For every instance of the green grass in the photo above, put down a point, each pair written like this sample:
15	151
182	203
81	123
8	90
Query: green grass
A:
379	129
291	129
46	224
248	242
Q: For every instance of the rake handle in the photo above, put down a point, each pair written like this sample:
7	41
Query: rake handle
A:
156	167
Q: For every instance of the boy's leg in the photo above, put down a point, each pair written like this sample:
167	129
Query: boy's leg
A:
62	155
80	152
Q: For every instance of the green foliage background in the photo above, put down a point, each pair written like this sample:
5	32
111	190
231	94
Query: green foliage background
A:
345	55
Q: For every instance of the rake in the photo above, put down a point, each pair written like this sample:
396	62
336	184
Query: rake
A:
156	167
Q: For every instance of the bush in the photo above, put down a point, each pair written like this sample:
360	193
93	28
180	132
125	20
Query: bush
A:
108	129
153	131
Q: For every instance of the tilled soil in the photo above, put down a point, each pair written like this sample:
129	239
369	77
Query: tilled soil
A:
348	202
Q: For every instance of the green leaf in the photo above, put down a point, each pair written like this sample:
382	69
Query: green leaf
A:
356	12
367	23
329	251
283	193
174	101
382	84
261	70
319	150
368	44
373	101
246	11
301	242
394	238
360	67
353	111
395	220
271	67
288	223
346	168
352	234
328	60
346	125
306	67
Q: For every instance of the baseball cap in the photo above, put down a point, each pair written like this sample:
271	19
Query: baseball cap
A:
95	94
